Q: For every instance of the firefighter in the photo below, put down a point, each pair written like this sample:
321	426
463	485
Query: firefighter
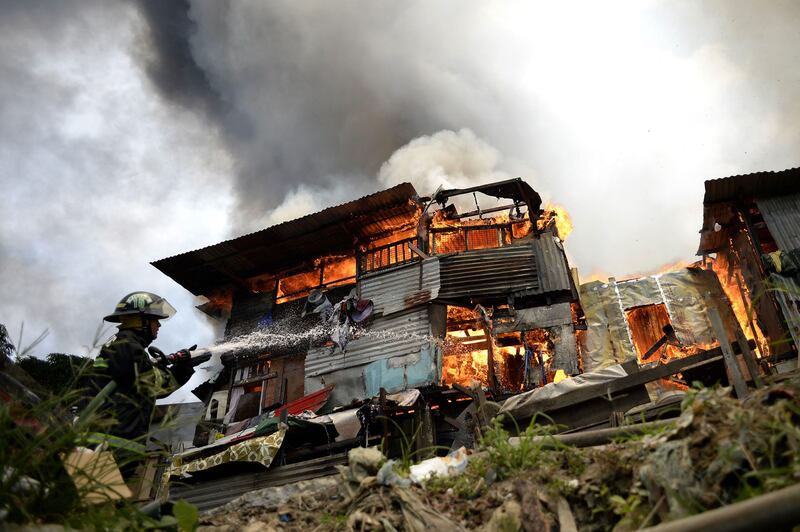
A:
139	381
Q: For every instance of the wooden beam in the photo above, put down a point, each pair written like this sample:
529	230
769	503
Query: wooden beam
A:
731	364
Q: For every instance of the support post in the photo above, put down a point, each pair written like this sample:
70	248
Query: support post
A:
731	364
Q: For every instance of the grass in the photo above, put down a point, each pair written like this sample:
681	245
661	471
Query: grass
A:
35	435
408	455
533	446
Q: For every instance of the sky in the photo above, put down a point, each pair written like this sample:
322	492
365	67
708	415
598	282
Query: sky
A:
136	130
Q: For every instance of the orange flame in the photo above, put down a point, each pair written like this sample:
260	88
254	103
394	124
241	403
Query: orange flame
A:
730	277
466	352
557	216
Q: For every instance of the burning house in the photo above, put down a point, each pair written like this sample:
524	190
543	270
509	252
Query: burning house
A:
391	292
751	238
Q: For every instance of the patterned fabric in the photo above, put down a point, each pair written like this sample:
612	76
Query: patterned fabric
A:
262	450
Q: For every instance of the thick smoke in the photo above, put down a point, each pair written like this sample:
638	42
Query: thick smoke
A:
99	176
136	130
620	113
166	56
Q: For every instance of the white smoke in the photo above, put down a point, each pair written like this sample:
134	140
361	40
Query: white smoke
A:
451	159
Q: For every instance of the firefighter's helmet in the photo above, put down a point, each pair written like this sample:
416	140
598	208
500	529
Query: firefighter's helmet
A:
144	304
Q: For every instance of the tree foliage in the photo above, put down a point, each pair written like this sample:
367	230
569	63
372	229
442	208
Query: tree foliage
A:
57	373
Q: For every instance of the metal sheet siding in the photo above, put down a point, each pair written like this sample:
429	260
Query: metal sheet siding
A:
529	269
402	288
489	272
553	271
788	295
782	214
389	336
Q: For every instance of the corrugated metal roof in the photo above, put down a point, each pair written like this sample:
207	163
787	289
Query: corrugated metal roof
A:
720	193
530	269
755	185
211	493
402	288
288	244
387	337
782	214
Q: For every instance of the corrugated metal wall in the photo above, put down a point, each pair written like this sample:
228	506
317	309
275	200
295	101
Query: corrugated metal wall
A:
402	288
782	214
397	349
788	295
389	336
489	272
553	271
533	268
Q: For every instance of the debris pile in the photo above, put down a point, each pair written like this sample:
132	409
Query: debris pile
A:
719	451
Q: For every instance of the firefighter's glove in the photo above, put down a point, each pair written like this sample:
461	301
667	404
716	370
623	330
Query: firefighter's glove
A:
182	356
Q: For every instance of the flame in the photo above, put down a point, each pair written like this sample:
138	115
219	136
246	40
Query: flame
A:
559	376
730	277
396	236
466	353
336	270
460	314
646	325
339	270
296	286
557	216
221	299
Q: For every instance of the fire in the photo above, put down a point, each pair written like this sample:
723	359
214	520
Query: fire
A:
221	299
396	236
463	360
296	286
440	220
647	327
329	271
730	277
339	270
460	314
556	215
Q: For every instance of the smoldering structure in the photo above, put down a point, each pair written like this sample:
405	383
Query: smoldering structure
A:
751	238
483	295
399	318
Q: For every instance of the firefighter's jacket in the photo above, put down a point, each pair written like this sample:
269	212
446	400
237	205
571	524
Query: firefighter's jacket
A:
139	382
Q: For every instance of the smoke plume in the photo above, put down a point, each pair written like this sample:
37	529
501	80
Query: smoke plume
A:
135	130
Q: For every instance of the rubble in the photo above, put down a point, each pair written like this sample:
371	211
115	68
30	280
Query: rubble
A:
718	452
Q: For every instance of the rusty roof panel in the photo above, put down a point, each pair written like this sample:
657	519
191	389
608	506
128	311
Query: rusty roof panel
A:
288	244
721	196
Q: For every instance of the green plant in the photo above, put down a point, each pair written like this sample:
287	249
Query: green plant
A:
408	454
35	437
468	485
527	450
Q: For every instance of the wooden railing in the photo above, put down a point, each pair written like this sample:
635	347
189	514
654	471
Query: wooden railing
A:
388	256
